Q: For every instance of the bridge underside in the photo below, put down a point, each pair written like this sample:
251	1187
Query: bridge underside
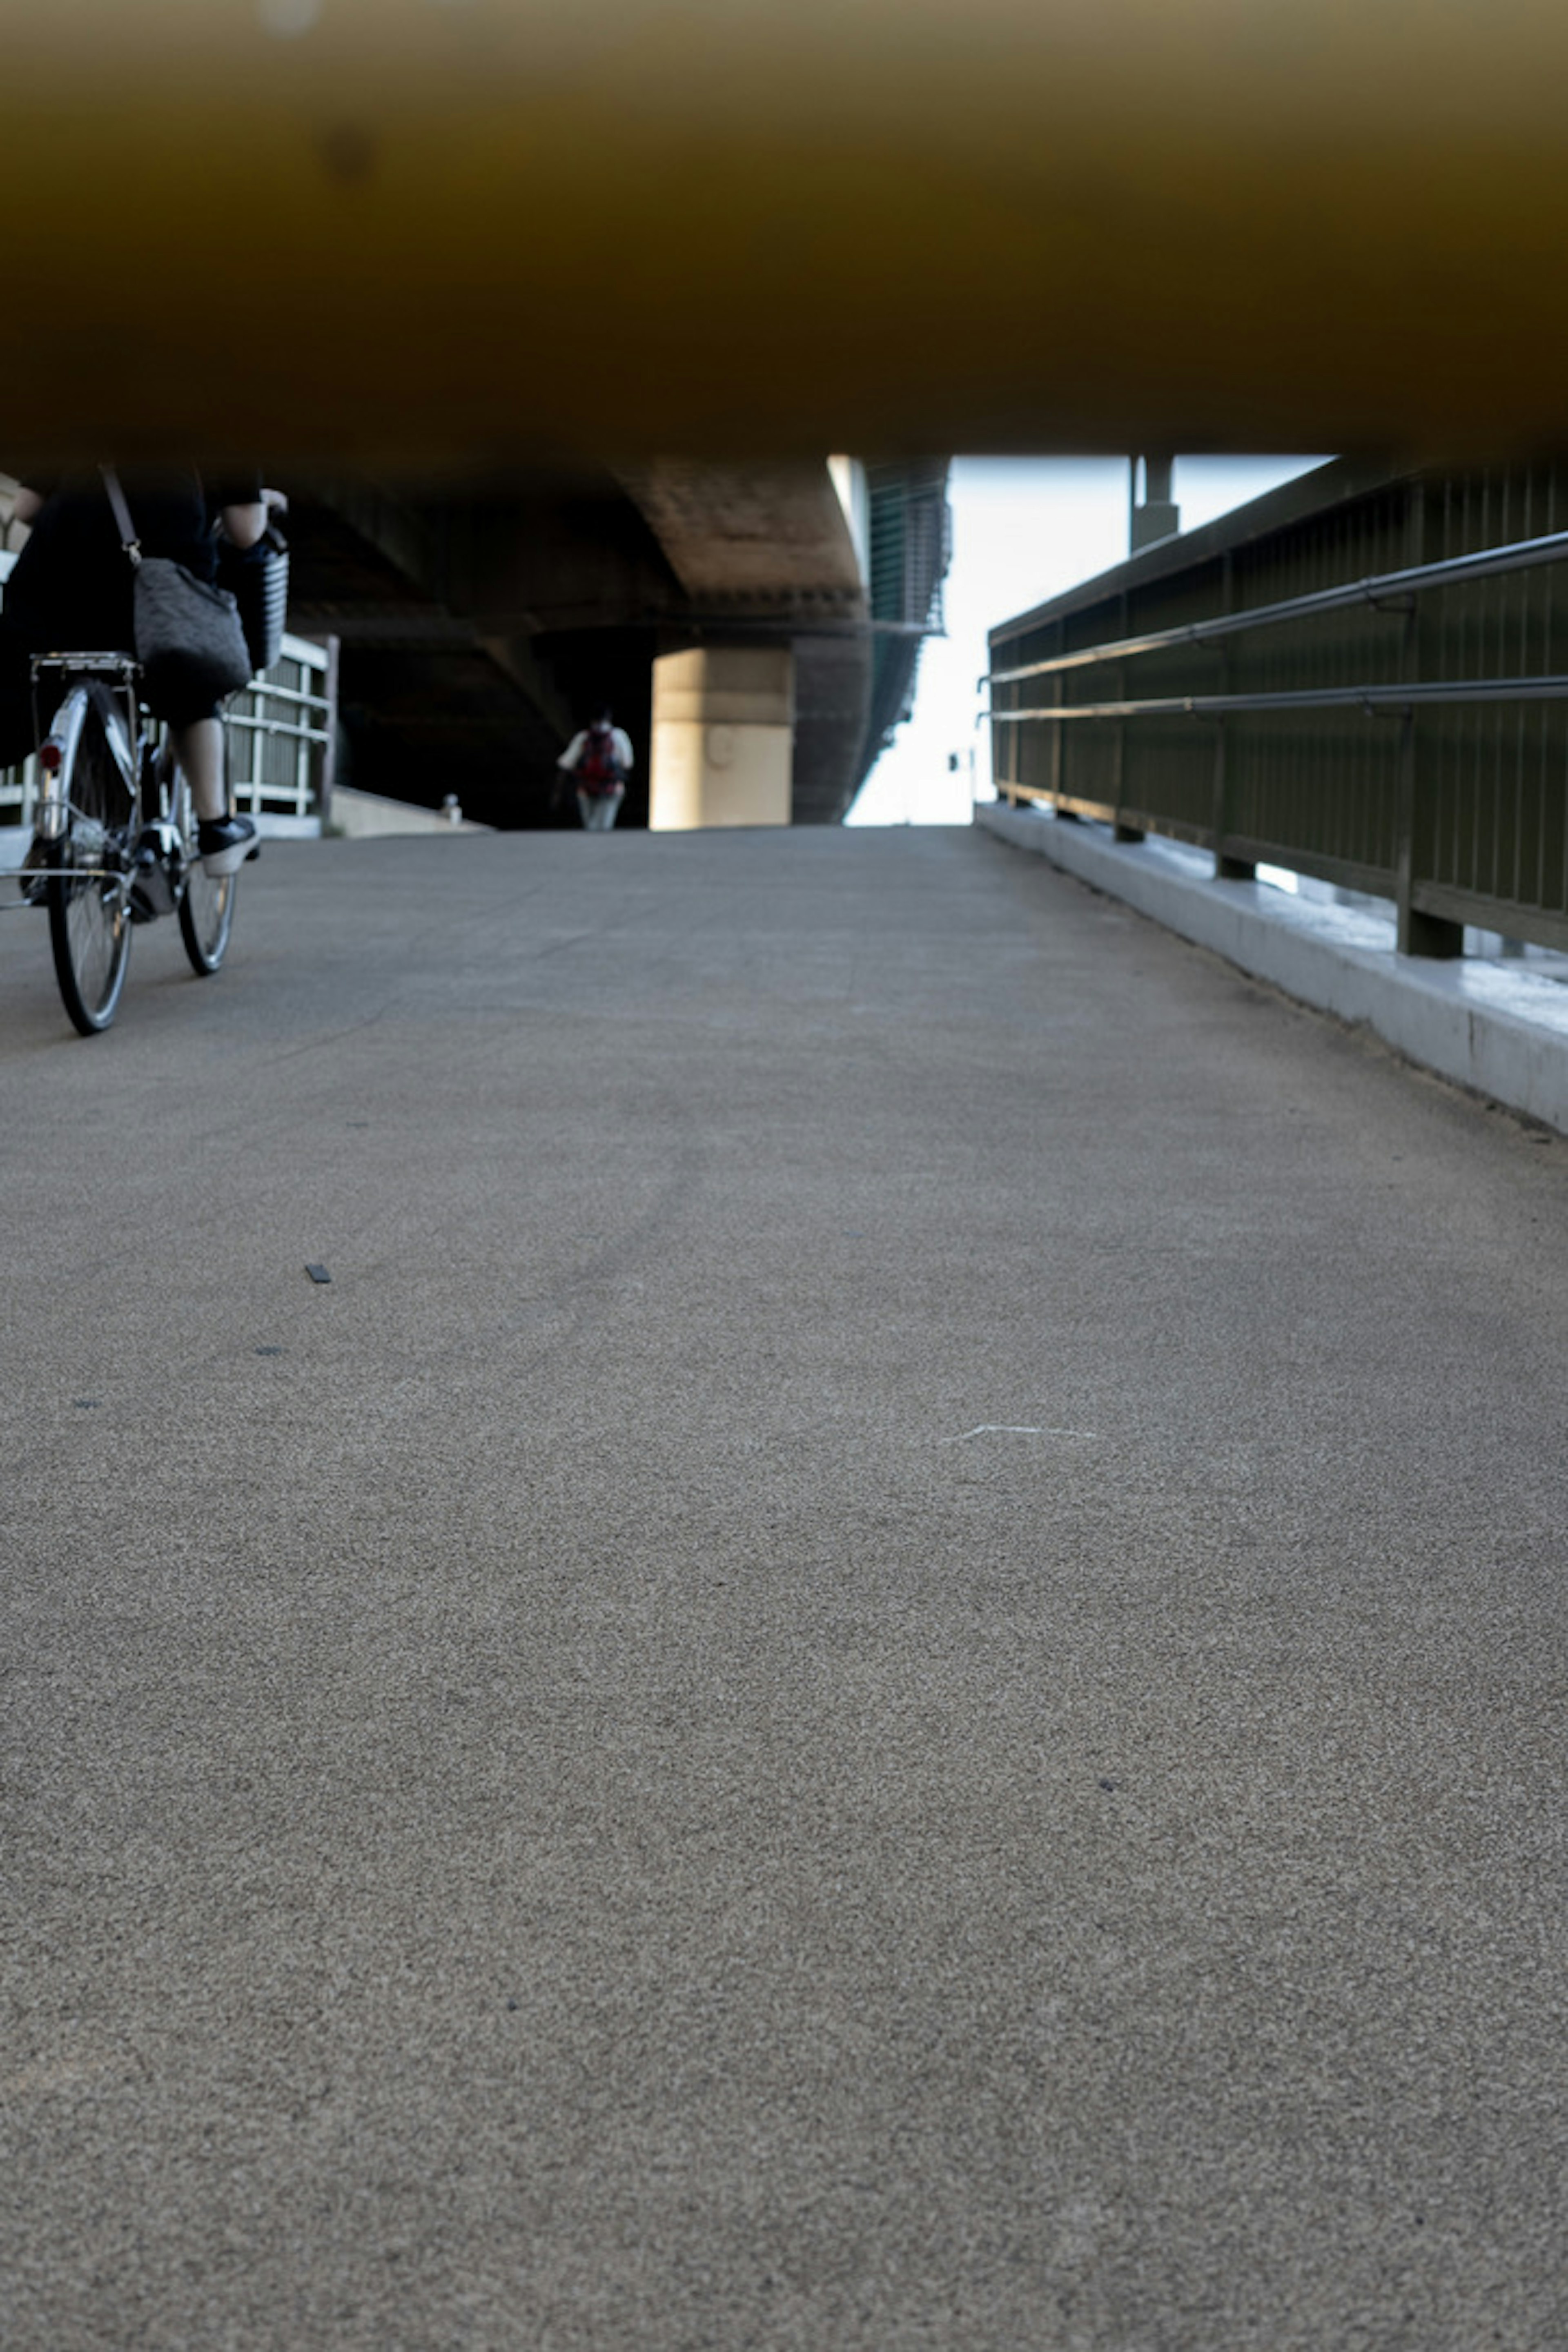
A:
479	625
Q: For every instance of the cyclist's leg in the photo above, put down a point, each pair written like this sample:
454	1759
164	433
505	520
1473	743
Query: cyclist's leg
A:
199	747
224	840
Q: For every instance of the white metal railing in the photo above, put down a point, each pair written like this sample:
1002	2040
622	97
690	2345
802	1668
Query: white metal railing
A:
19	798
280	735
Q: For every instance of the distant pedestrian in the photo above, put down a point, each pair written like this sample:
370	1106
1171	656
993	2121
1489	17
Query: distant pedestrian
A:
598	759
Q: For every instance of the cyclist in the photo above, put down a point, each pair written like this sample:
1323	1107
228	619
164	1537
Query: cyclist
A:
70	591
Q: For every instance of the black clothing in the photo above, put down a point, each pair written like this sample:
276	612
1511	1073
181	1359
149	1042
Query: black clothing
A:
71	590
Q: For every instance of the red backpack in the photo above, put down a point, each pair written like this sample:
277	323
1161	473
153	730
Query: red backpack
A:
598	769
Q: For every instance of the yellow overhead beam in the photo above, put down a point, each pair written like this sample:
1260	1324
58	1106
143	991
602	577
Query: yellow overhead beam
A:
478	231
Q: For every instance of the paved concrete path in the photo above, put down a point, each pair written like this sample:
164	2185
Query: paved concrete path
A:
885	1670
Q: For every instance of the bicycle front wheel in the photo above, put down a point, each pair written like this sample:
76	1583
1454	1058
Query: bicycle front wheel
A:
206	907
206	916
90	900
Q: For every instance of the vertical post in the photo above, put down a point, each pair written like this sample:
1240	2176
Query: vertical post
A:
1008	742
1417	934
1226	867
330	728
249	734
1120	831
993	732
1058	696
304	747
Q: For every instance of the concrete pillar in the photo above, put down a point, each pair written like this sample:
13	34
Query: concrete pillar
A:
723	728
1157	516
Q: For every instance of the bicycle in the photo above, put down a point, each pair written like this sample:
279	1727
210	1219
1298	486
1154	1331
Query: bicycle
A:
117	833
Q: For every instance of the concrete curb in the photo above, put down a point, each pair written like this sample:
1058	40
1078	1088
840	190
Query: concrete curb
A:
371	816
1501	1029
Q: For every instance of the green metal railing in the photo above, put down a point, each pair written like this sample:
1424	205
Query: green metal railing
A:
1362	676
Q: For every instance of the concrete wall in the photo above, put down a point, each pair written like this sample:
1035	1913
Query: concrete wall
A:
363	816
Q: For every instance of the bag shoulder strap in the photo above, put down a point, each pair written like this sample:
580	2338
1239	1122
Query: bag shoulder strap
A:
123	521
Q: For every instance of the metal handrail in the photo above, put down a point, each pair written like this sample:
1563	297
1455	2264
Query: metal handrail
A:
1317	697
278	727
1522	555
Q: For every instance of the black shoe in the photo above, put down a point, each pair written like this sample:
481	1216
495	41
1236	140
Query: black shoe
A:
224	842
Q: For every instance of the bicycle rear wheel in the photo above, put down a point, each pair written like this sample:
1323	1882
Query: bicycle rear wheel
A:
90	902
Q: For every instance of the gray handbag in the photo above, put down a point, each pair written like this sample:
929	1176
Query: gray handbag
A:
189	639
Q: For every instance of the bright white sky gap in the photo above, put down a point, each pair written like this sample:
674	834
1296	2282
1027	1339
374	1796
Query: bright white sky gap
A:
1023	528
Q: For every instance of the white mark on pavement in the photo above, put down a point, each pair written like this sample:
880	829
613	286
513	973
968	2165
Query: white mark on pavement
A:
1011	1429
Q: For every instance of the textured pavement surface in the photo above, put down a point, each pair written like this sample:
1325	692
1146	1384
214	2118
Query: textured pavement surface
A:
885	1670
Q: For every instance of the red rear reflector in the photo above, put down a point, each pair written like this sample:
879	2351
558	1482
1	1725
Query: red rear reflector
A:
49	757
